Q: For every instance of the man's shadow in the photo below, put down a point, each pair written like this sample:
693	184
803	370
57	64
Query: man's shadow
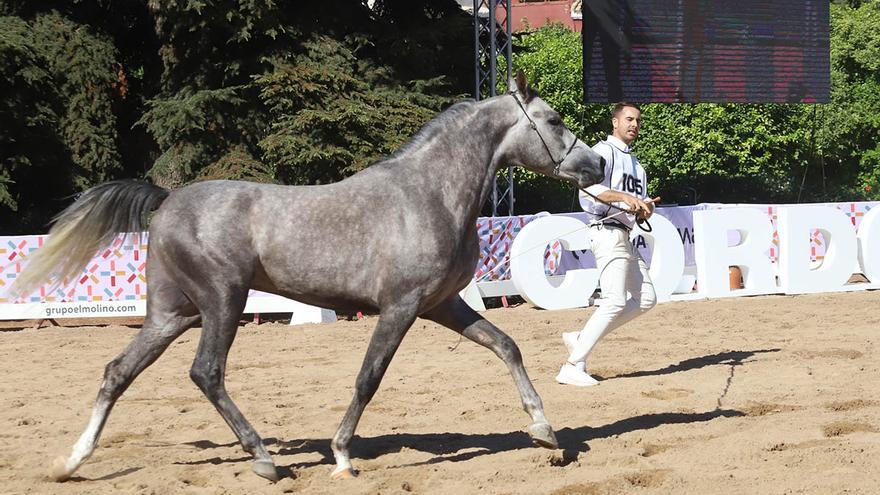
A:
731	358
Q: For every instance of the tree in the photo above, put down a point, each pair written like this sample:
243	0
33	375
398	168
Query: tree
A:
184	90
551	56
316	91
333	114
851	125
60	82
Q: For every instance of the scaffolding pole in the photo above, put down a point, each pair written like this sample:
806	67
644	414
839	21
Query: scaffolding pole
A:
492	40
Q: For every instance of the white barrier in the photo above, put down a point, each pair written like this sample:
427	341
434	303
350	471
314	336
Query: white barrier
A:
737	236
667	261
795	273
869	245
688	245
113	284
714	255
258	303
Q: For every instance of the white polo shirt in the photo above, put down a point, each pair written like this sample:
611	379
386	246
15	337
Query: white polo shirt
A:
624	173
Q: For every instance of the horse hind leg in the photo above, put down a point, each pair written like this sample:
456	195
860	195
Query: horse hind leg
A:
220	325
169	314
455	314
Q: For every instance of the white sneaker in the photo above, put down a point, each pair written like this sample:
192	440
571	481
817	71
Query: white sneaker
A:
569	374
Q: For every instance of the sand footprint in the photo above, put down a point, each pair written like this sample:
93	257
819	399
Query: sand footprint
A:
838	428
831	353
647	479
849	405
765	408
668	394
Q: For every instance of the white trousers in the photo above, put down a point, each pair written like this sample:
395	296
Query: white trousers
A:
627	290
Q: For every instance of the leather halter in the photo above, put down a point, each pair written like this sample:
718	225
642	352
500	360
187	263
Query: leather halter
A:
534	126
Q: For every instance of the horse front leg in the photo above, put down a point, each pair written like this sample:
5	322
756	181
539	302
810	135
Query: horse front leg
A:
455	314
392	326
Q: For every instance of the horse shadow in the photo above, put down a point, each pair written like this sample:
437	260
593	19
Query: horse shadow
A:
458	447
106	477
731	358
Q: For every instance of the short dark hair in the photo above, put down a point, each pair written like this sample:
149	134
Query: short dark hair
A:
618	107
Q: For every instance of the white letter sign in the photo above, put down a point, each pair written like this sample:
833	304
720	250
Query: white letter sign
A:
527	263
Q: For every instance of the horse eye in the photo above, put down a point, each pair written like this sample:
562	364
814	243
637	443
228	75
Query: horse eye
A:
555	121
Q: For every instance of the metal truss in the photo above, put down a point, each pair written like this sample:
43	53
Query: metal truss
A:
492	41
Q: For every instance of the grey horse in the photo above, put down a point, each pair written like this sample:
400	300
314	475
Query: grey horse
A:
424	200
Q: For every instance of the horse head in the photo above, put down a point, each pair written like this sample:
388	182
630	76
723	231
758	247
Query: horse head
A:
541	142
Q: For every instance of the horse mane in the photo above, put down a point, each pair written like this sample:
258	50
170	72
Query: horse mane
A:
434	127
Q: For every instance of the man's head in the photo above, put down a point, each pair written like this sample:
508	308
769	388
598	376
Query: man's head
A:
626	119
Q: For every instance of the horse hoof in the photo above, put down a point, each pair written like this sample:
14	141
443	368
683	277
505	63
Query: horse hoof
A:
266	469
542	434
59	472
343	474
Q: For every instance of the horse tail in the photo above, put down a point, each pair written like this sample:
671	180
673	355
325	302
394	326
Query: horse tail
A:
96	217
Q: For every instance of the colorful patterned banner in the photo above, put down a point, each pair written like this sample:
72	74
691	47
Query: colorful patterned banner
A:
118	273
114	283
496	238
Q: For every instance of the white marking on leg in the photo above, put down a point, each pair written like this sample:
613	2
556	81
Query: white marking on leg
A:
538	416
342	462
84	447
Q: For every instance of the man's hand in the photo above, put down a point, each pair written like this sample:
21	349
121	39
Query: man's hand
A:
650	203
640	208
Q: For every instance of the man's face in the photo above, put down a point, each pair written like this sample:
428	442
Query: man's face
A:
626	124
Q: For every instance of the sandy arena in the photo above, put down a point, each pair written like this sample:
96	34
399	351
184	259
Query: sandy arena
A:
761	395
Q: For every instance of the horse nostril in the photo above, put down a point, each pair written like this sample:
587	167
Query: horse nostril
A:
602	162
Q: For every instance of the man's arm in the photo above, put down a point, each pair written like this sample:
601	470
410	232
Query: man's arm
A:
641	208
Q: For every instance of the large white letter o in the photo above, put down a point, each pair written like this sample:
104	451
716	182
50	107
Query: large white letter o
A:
527	263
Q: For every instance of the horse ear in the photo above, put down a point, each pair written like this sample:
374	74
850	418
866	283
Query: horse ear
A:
512	87
521	86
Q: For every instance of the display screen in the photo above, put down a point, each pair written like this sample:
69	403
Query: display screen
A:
742	51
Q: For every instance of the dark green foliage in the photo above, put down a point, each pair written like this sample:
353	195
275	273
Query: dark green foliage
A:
196	128
300	87
422	39
59	82
184	90
238	164
850	128
724	153
29	108
333	114
84	69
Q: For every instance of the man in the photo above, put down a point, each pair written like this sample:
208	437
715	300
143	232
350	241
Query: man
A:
613	207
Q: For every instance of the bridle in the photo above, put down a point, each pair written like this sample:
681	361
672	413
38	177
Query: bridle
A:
534	126
558	163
